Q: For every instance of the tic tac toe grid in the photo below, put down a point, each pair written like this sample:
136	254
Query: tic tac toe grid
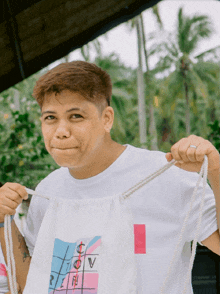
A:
74	267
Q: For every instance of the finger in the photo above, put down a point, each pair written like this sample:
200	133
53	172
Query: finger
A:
202	150
191	153
174	151
11	195
169	156
179	149
186	152
7	210
10	203
18	189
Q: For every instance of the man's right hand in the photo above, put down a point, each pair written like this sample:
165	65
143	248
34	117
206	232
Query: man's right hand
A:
11	195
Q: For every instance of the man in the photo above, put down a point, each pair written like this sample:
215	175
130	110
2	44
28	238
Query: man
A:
76	122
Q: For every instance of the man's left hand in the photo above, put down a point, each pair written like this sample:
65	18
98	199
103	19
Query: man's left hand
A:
191	158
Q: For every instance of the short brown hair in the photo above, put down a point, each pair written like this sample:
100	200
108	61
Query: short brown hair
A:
82	77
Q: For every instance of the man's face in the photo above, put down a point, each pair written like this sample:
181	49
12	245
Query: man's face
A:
74	129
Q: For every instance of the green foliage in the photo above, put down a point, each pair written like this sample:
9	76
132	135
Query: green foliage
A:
22	151
191	30
214	136
195	82
125	128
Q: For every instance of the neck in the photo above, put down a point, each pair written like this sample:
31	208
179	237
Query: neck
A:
100	162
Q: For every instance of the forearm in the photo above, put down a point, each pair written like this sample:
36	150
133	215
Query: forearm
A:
214	179
21	254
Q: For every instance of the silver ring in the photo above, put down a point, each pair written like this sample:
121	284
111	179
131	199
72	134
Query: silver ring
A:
193	146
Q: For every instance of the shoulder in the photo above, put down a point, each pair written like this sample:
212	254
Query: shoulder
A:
52	181
154	160
142	156
54	175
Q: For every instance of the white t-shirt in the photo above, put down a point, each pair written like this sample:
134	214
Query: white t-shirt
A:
159	209
3	274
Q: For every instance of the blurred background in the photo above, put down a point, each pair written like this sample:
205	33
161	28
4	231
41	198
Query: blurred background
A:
165	68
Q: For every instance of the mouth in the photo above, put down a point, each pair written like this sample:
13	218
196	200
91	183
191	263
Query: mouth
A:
64	148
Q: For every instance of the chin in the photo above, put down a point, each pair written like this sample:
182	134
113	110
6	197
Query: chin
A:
65	162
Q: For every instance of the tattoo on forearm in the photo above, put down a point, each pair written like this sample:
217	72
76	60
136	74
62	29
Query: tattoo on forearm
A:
22	245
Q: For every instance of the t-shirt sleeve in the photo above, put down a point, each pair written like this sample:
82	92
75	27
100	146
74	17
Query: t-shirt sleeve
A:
209	221
34	219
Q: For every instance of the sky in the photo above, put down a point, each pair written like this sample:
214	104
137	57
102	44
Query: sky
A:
124	42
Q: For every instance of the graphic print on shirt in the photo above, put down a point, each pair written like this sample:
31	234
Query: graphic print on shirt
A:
74	267
139	239
3	271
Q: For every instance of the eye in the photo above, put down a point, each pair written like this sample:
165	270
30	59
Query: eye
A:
76	115
49	117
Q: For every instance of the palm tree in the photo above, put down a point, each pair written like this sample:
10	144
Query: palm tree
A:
86	49
184	78
125	125
149	78
143	80
140	86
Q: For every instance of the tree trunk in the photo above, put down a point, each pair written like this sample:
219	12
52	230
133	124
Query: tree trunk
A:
184	68
152	126
144	44
188	128
140	85
153	130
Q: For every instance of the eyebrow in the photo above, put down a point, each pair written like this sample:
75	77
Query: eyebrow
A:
69	110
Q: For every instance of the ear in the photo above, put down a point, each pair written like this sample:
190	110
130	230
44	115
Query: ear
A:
108	118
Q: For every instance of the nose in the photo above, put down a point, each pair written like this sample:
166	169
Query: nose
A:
62	130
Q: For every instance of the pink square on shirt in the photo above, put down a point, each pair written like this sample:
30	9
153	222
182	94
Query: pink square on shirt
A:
139	239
